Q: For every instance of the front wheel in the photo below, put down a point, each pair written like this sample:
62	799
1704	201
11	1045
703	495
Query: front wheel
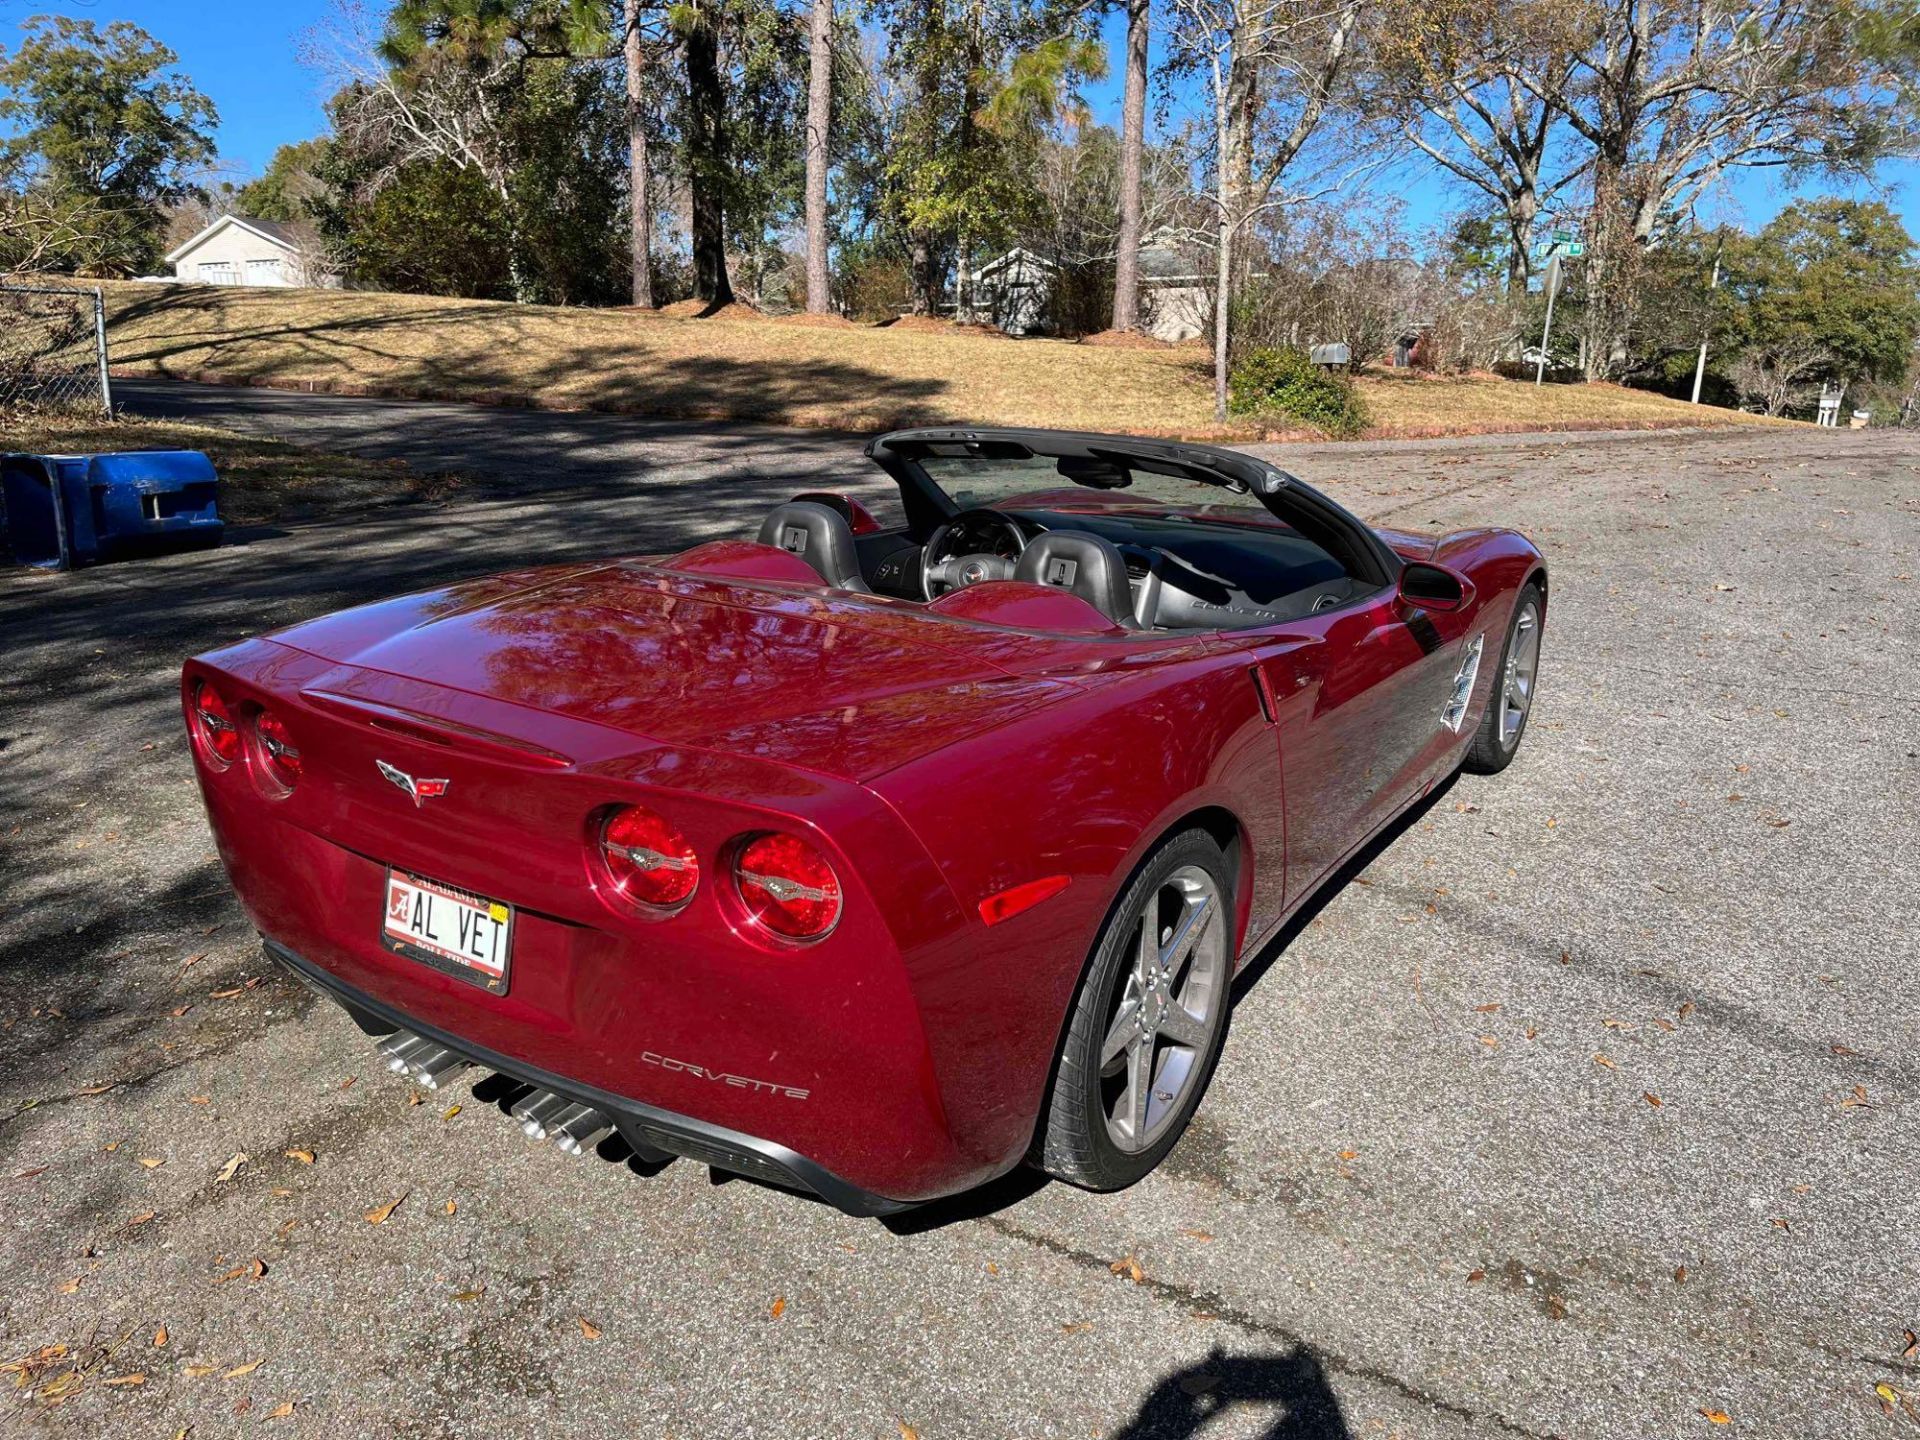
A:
1147	1023
1497	740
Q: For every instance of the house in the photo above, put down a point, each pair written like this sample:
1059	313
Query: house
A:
235	250
1176	297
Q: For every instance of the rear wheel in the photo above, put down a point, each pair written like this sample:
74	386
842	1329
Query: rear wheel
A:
1147	1023
1497	740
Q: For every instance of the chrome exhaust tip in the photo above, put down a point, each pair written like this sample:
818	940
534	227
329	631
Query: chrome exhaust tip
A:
535	1113
399	1048
580	1128
438	1070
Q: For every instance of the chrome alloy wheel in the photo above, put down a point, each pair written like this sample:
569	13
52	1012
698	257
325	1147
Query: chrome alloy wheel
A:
1516	683
1151	1056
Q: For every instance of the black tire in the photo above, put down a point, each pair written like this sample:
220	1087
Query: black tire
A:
1076	1140
1497	740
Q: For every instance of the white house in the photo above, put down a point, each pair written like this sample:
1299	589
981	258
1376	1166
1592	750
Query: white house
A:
1176	302
234	250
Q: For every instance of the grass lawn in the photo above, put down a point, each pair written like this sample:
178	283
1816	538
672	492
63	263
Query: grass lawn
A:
261	481
749	367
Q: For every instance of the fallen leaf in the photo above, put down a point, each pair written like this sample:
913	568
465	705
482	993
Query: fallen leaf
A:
1130	1268
1913	1344
258	1268
587	1327
285	1227
233	1274
68	1287
1490	1042
379	1216
232	1167
197	1371
1679	1274
1349	1154
229	994
281	1411
1666	1025
1889	1396
1602	1060
452	1110
180	1010
1077	1327
468	1296
1486	1009
143	1217
1686	1009
1716	1417
347	1084
992	1269
1651	1098
246	1369
907	1432
199	1099
1839	1049
126	1380
1201	1235
151	1163
779	1307
305	1157
1780	1222
95	1090
160	1338
414	1097
451	1207
1474	1277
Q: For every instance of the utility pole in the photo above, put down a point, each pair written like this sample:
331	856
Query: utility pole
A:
1546	331
1700	368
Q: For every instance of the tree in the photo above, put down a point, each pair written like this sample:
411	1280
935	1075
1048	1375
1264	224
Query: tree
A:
1133	139
819	113
1828	291
289	185
1668	96
100	114
1464	79
1240	48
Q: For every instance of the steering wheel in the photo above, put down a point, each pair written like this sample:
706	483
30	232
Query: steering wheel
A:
941	571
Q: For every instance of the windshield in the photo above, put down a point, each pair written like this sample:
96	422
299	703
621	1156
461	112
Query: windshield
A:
986	482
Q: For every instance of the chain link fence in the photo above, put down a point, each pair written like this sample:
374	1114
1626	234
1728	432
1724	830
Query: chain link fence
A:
53	348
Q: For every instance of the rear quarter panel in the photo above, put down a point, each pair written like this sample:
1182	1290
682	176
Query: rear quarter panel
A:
1084	788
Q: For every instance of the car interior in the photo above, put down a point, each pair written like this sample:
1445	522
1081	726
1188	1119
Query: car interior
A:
1145	564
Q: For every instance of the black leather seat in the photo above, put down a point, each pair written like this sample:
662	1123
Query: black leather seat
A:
1090	566
819	535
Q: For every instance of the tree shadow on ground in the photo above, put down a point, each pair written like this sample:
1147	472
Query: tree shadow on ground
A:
1187	1402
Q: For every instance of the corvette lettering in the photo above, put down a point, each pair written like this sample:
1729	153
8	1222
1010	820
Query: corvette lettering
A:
721	1077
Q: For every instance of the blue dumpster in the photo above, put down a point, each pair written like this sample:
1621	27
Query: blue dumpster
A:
67	510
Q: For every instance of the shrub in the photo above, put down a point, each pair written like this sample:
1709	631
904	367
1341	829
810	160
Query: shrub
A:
1281	380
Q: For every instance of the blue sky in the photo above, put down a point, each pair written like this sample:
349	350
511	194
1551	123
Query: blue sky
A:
245	57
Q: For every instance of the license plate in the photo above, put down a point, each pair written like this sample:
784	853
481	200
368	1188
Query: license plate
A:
465	935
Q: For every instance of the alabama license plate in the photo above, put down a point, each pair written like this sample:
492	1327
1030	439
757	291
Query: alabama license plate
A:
465	935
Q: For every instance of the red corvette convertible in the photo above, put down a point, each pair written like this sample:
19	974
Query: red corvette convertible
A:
869	856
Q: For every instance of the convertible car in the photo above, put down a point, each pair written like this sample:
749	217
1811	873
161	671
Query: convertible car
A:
870	855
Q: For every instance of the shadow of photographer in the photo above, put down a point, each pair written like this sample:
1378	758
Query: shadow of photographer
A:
1187	1401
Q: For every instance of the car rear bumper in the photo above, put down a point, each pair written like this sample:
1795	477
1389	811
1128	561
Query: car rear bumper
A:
644	1127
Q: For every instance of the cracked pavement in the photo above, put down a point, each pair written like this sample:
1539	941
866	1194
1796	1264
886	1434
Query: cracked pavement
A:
1583	1108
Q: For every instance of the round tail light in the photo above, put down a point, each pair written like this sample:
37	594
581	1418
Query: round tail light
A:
213	724
649	860
787	886
279	756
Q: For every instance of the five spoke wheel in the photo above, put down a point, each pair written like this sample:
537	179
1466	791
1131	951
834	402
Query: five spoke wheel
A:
1516	684
1164	1010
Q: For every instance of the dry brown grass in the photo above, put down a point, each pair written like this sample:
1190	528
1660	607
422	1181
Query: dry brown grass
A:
743	366
261	481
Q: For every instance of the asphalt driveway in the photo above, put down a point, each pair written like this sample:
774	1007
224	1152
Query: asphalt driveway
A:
1584	1109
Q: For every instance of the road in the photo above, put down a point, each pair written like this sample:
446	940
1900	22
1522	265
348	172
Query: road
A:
1585	1110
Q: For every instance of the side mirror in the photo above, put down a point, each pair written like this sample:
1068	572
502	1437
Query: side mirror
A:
1433	587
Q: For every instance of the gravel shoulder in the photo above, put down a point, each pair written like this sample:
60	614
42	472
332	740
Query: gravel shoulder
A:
1585	1109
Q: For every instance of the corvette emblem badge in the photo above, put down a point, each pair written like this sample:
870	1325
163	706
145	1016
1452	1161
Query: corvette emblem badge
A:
421	790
